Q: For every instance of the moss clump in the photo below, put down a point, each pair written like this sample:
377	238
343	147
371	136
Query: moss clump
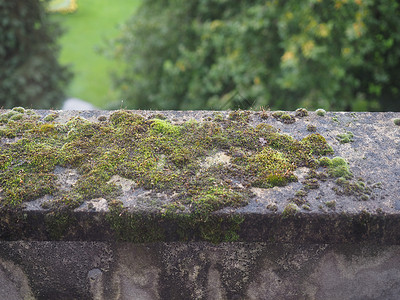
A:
46	128
311	128
264	114
331	204
356	188
320	112
218	117
102	118
317	144
164	127
311	184
277	114
51	117
396	122
269	168
284	117
301	193
346	137
239	115
19	109
301	112
290	209
337	167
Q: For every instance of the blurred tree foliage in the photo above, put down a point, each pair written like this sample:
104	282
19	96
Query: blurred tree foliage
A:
219	54
30	75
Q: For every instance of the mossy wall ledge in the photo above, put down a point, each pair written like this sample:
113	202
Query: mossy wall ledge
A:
147	176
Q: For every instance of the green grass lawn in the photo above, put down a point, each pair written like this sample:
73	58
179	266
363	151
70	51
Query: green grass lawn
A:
86	30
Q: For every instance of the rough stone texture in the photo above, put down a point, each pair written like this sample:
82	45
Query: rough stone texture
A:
58	270
350	252
14	284
373	156
87	270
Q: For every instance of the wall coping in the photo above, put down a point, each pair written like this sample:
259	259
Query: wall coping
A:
360	205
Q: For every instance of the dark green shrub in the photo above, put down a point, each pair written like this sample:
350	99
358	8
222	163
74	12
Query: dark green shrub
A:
219	54
30	75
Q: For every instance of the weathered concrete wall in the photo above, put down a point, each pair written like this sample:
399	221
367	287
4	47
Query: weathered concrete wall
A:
100	270
329	234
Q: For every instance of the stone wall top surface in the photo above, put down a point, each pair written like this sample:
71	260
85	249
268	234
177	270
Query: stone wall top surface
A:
220	176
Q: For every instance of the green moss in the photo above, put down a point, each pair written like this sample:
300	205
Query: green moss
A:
320	112
264	114
278	114
324	161
331	204
311	184
50	117
317	144
46	128
301	193
58	224
301	112
396	122
311	128
102	118
217	230
346	137
157	155
165	127
12	115
357	188
239	115
19	109
218	117
284	117
337	167
290	209
135	228
17	116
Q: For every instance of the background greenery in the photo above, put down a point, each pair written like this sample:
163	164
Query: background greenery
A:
204	54
87	29
219	54
30	74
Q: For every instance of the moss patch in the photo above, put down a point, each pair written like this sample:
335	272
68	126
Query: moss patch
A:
337	167
156	154
346	137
